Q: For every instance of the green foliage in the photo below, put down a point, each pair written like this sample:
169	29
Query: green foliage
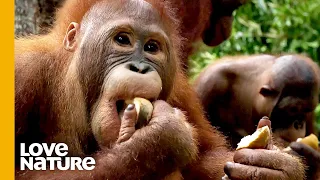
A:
268	26
317	111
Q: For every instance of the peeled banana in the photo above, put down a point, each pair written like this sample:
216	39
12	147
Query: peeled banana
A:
144	110
259	139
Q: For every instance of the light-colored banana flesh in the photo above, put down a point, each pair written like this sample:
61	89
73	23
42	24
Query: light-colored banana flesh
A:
144	109
259	139
311	140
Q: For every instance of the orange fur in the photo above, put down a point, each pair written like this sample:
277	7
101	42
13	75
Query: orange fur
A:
43	77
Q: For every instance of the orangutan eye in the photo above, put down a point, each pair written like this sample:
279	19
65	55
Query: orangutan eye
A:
122	39
151	46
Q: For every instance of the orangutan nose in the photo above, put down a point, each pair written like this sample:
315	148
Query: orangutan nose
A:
140	67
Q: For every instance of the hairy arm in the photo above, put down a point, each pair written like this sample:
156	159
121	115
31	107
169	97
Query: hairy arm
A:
311	157
268	163
27	87
152	152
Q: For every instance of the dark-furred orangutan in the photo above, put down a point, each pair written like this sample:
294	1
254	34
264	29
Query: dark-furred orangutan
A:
237	91
206	20
71	83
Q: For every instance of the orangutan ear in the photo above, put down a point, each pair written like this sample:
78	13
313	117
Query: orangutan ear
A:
70	40
267	100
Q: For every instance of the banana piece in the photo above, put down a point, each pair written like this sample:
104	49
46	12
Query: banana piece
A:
144	110
310	140
259	139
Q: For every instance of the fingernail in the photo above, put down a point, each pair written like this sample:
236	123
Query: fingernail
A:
294	145
227	168
229	163
265	117
130	107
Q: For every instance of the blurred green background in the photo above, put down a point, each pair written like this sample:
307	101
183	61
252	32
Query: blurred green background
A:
268	26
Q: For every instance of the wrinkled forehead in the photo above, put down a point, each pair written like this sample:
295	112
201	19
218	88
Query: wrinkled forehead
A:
138	11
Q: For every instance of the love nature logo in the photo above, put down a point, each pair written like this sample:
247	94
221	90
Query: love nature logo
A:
33	160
